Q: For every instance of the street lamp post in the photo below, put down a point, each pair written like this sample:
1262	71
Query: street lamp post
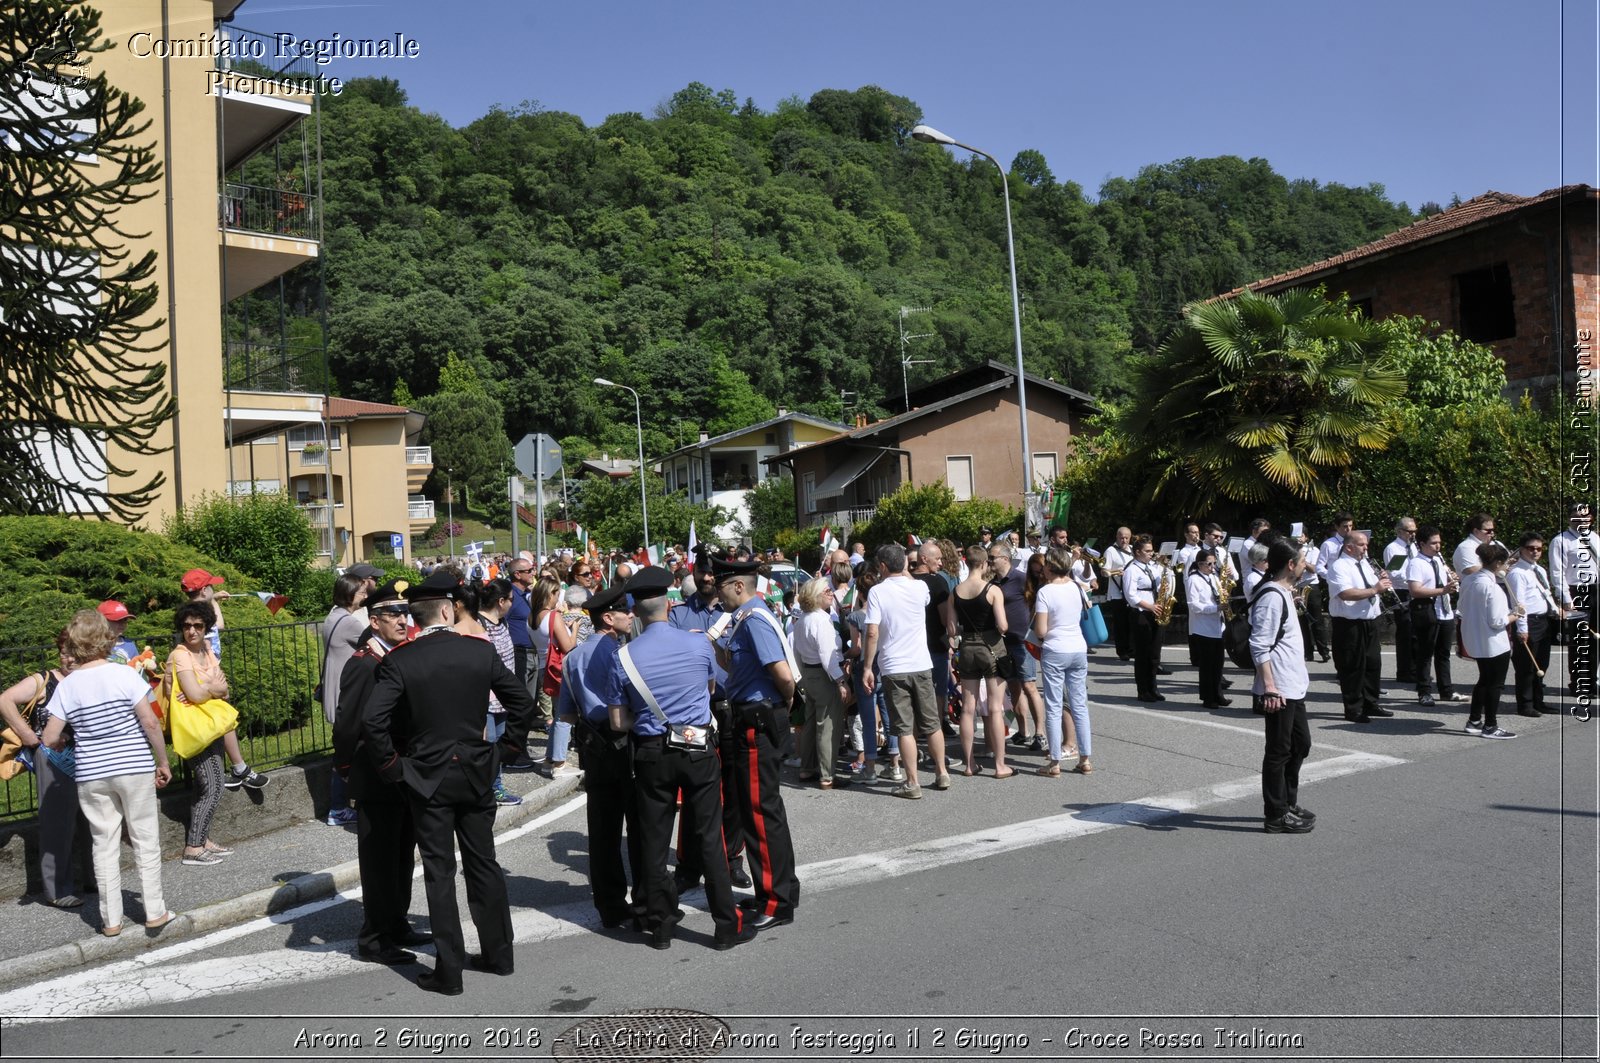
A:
638	423
930	135
450	511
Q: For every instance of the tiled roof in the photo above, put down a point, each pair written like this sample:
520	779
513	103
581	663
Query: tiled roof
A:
1472	213
349	409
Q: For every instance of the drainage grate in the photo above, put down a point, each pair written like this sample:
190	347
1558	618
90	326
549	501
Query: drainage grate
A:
653	1035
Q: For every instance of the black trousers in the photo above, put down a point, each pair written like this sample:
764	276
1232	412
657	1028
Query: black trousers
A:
1317	618
1288	743
469	823
768	846
1358	662
1405	648
660	773
1435	639
1119	620
732	825
1206	653
612	808
1486	692
1581	645
1144	636
519	662
1530	686
386	848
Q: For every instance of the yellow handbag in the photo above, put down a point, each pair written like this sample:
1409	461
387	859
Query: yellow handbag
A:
195	727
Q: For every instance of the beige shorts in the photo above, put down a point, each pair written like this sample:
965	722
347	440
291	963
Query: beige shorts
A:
912	707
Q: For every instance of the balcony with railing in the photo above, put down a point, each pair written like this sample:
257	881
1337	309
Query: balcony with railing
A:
251	366
420	509
260	98
839	520
419	455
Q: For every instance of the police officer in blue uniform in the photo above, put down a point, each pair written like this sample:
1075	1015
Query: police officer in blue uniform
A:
386	841
760	689
667	706
432	696
702	614
607	762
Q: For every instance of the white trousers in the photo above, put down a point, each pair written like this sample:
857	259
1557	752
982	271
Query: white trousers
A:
107	804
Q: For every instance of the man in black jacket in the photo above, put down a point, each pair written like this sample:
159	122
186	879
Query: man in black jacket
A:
386	842
433	695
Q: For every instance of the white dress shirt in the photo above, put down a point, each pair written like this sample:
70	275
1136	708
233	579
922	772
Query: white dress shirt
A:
1139	582
1466	556
1430	572
1116	557
1531	589
816	641
1205	613
1349	573
1332	547
1571	565
1251	578
1484	616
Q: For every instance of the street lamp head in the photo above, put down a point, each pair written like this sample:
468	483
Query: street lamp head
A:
603	382
929	135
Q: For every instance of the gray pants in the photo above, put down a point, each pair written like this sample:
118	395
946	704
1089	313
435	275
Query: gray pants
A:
58	828
824	719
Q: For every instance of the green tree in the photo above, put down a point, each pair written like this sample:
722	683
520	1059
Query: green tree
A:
772	510
609	511
1260	397
466	427
80	383
265	534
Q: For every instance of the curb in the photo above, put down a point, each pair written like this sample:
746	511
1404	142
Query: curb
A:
271	900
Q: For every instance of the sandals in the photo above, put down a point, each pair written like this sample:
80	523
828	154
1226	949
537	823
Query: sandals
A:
67	901
159	921
1083	767
1052	769
970	772
111	931
1009	773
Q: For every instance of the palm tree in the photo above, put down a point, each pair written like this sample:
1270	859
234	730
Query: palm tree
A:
1260	397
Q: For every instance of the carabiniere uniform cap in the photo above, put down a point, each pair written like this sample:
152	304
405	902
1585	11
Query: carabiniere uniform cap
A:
613	597
650	582
724	568
438	585
388	593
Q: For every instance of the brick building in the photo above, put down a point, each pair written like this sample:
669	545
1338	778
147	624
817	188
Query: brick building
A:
1516	273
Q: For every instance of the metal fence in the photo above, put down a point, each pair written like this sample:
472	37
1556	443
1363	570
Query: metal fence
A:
272	672
250	366
253	208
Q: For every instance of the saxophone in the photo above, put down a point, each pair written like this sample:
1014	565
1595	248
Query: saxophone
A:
1225	585
1166	592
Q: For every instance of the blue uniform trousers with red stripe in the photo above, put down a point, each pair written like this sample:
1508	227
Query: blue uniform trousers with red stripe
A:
768	848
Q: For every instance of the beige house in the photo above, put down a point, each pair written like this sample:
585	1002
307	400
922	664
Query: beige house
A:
242	389
735	461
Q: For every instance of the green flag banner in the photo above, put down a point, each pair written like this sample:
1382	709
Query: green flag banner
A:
1060	505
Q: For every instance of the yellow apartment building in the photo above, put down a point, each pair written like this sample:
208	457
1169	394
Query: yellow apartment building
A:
219	96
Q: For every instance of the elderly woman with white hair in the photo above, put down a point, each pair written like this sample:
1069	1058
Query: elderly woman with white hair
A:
820	651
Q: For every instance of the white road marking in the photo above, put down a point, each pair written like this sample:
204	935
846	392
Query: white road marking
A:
1199	721
135	983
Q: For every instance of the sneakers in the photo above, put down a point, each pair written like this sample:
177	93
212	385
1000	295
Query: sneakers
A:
203	858
1474	726
941	782
245	777
868	775
1019	739
341	817
894	773
791	762
502	796
1037	744
1289	824
1454	696
565	771
1496	732
909	791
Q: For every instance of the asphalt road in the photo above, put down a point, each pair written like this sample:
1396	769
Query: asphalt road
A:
1443	908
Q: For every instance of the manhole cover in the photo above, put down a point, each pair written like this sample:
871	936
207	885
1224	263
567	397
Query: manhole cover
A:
669	1035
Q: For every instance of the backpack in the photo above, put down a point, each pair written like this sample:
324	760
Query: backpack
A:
1236	634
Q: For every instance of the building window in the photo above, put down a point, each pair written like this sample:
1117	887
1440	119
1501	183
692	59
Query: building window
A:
958	474
69	282
59	108
300	435
1485	308
808	492
1044	468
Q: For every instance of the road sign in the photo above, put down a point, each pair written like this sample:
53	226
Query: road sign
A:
397	544
538	456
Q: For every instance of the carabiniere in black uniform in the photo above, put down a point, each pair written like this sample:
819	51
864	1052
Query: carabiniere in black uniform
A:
433	694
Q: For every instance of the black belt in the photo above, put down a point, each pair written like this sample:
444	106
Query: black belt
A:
755	704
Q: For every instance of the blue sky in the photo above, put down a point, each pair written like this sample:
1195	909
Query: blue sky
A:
1426	97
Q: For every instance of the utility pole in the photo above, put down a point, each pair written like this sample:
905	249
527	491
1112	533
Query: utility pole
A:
905	340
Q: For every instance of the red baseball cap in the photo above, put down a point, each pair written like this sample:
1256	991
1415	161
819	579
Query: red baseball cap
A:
114	611
196	578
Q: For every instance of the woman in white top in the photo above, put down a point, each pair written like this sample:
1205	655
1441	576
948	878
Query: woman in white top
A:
980	610
1205	626
820	652
121	762
1485	616
1278	651
1063	658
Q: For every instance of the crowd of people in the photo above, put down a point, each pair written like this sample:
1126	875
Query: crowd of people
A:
682	691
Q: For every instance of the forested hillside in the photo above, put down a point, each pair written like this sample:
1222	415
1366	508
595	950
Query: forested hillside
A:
725	260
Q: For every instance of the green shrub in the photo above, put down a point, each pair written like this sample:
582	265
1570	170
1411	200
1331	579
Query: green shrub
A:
932	511
265	535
